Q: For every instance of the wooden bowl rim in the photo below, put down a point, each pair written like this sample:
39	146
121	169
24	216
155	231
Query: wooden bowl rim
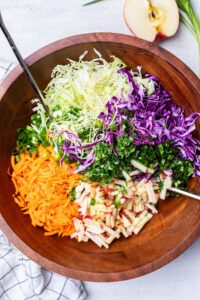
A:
183	70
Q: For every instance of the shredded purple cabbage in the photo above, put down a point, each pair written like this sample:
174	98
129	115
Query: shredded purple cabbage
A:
152	119
89	161
73	150
155	119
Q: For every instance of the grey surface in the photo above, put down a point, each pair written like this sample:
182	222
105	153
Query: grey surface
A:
179	280
35	23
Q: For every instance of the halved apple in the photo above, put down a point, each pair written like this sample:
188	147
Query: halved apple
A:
152	19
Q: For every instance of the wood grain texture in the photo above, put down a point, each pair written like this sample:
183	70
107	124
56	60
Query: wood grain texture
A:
170	232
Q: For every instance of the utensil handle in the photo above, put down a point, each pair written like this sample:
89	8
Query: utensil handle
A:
23	64
191	195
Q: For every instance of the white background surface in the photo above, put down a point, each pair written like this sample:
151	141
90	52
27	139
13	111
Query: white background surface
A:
35	23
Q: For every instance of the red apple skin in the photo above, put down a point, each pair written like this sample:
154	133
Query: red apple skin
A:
160	36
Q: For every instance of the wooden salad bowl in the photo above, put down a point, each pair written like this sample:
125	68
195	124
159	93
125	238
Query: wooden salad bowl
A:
167	235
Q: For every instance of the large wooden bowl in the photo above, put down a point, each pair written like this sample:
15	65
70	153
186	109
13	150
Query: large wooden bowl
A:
170	232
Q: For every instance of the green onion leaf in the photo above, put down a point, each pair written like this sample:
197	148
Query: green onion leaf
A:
72	195
123	191
191	21
117	204
113	127
92	202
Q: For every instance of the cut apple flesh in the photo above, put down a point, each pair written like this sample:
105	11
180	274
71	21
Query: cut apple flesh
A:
170	23
152	19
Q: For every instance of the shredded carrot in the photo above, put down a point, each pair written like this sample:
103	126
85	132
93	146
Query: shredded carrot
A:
42	188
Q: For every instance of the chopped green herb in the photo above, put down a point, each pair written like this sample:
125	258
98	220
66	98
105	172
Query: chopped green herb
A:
160	184
83	134
31	136
113	127
165	157
72	195
17	158
123	191
92	202
117	204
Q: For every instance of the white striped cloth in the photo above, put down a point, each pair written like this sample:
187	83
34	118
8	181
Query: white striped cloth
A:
23	279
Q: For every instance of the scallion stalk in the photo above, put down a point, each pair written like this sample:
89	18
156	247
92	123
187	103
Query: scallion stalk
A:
191	21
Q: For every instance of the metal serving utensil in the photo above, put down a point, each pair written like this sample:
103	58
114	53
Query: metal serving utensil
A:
181	192
23	65
41	98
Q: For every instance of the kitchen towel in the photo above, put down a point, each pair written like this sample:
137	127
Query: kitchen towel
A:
23	279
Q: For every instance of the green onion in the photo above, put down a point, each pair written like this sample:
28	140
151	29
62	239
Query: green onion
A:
113	127
191	21
93	202
160	184
117	204
72	195
165	156
123	191
17	158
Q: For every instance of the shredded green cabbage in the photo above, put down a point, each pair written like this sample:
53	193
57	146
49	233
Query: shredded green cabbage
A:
87	86
78	93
